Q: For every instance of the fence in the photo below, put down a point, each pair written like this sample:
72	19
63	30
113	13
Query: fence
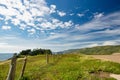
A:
12	70
11	74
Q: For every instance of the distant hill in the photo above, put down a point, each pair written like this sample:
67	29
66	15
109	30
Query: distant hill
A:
95	50
67	51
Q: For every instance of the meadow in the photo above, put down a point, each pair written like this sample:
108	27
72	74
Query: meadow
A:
62	67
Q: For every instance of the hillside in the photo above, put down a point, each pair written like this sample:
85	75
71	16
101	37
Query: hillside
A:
96	50
63	67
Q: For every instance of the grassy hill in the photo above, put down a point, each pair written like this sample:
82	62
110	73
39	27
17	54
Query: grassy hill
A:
96	50
62	67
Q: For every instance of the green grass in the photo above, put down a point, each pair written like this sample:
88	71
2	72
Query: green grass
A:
62	67
98	50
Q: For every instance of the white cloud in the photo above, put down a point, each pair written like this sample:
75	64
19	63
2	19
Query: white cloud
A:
109	32
101	23
93	45
3	43
80	15
68	24
6	22
6	27
71	14
52	8
52	33
15	21
103	43
15	43
55	23
1	18
56	36
105	28
61	13
24	15
110	43
46	24
98	15
22	26
31	31
26	12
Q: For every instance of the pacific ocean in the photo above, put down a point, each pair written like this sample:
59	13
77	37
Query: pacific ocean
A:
5	56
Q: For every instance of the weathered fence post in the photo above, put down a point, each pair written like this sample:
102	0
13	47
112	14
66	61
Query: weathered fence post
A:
23	68
47	58
11	74
53	58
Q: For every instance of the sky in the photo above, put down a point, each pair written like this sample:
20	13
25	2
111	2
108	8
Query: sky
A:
58	24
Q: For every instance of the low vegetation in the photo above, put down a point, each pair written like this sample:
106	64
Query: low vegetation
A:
35	52
101	50
105	50
62	67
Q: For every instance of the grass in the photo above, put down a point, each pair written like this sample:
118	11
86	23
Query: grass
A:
62	67
98	50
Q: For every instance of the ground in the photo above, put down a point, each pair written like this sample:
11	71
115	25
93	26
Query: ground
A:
63	67
114	57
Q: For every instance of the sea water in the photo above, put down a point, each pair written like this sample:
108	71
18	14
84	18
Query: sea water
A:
5	56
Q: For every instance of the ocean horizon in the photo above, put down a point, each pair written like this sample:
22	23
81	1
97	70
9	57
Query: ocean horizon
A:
5	56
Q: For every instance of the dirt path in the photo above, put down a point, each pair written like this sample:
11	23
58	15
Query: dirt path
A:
115	76
114	57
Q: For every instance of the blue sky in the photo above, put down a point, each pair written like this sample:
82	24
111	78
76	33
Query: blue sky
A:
58	24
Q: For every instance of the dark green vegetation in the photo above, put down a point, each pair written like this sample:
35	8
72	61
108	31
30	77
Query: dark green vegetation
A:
62	67
96	50
35	52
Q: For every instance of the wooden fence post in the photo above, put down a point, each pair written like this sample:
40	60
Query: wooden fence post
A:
11	74
23	68
53	58
47	58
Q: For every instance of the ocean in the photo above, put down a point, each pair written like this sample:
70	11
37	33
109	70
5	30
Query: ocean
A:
5	56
